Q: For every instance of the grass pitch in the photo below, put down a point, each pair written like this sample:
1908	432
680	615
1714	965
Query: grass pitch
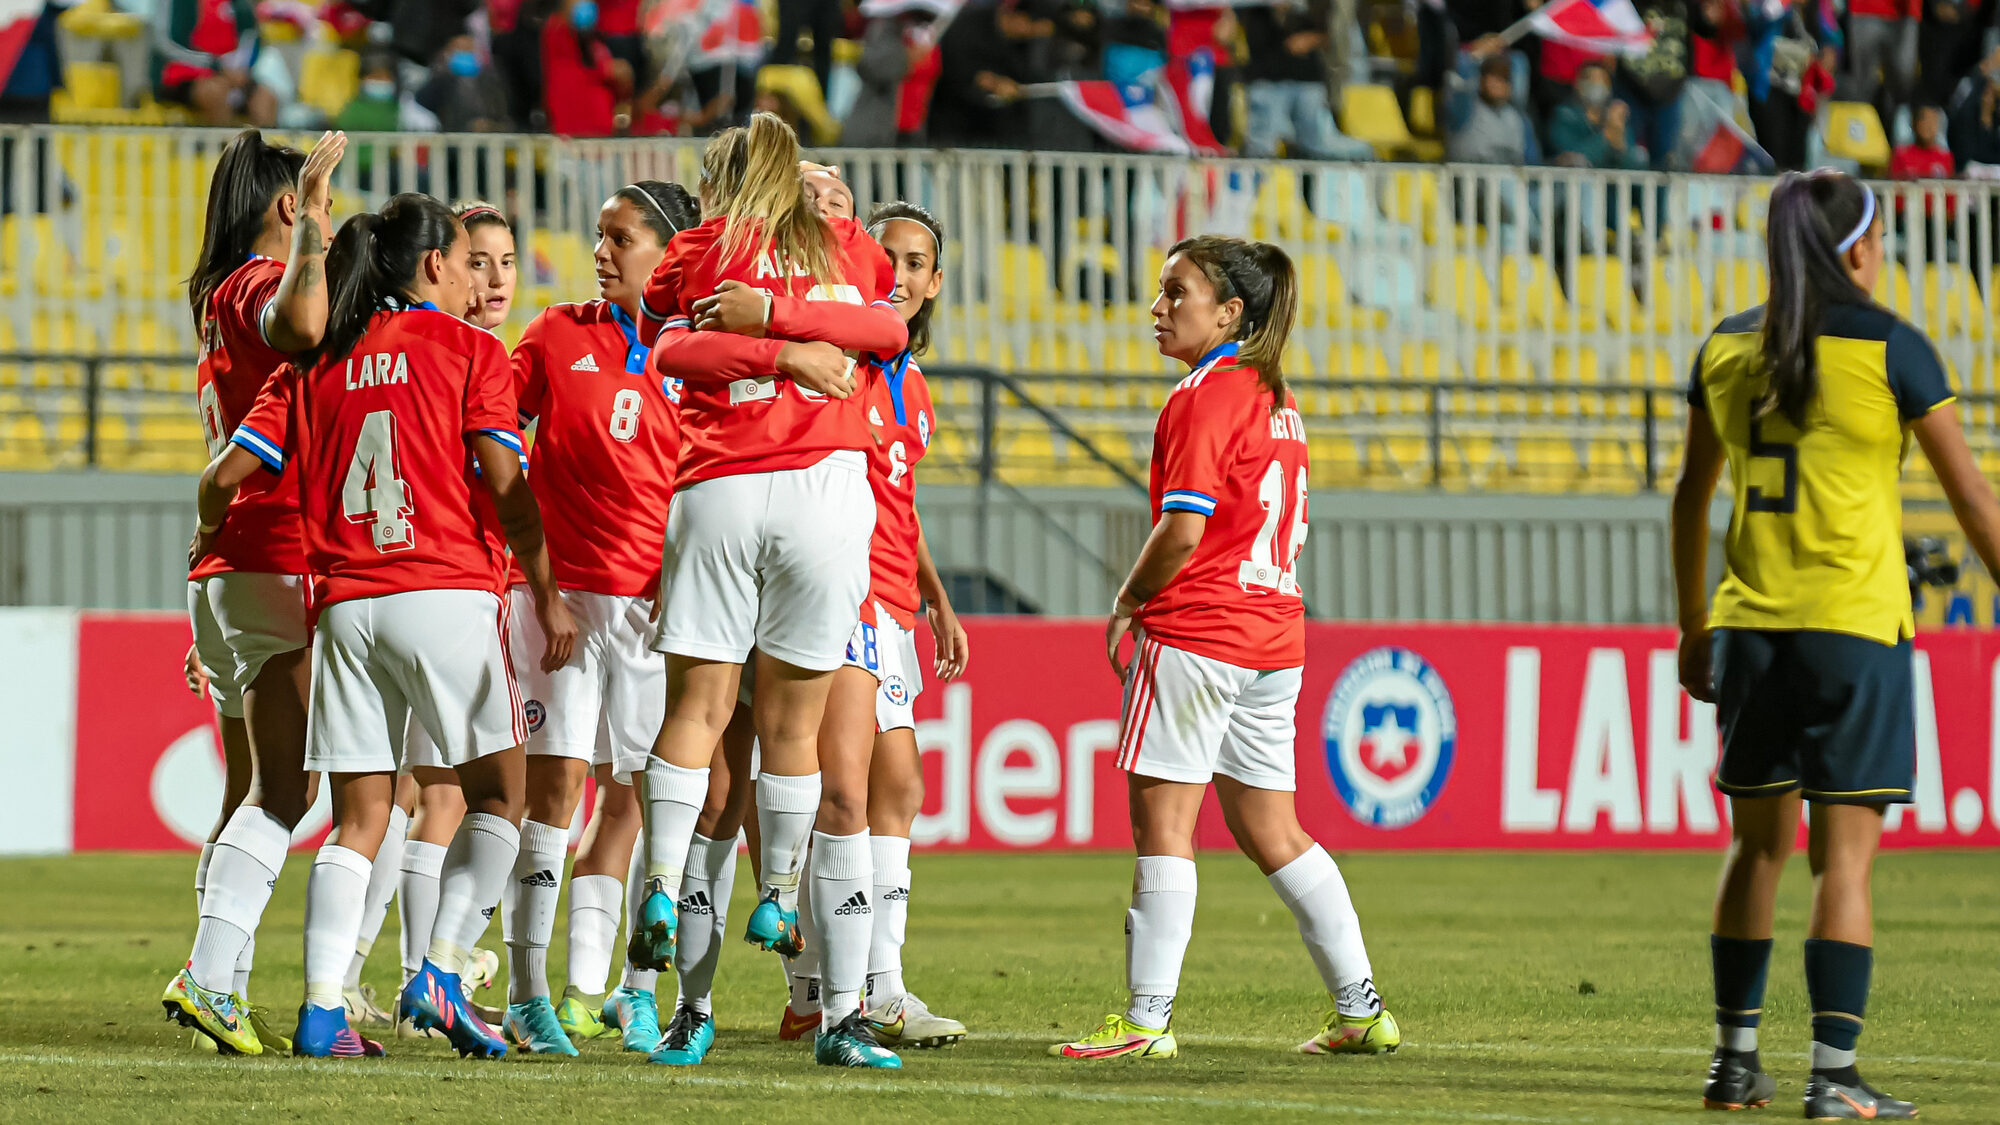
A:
1531	988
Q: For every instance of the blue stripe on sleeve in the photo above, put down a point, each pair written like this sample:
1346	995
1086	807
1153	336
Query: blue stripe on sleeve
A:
263	448
508	438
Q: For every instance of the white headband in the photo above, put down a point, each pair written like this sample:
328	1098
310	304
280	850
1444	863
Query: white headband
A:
937	250
1867	220
648	197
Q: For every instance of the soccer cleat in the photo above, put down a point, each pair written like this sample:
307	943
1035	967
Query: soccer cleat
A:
323	1034
362	1009
775	928
1340	1035
1734	1085
908	1022
1828	1100
533	1028
635	1015
482	968
795	1025
652	942
578	1016
434	1000
217	1015
1120	1038
267	1032
688	1038
851	1042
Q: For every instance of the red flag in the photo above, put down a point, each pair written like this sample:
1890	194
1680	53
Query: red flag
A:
1611	27
1723	151
17	23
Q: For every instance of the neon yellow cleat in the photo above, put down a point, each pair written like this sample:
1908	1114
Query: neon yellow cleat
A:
578	1016
1119	1038
267	1032
217	1015
1339	1035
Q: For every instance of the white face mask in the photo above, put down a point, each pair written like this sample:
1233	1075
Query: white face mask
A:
381	89
1593	93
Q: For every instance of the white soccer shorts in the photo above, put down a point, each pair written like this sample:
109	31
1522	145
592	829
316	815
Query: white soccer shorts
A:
615	686
242	620
887	651
439	656
778	561
1187	718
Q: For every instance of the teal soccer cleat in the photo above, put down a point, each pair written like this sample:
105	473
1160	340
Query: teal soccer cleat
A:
652	943
851	1042
533	1028
635	1014
775	928
688	1040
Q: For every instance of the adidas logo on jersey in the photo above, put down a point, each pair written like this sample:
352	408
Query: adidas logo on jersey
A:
857	903
542	878
587	363
696	903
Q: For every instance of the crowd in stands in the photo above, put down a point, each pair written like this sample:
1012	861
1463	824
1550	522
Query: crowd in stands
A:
969	73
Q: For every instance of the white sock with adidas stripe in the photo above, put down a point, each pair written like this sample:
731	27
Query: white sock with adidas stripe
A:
704	911
528	908
842	873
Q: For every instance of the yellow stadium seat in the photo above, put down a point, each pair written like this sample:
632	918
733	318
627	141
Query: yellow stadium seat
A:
1025	282
1459	284
1740	283
1854	132
1370	113
1753	206
97	19
1412	199
801	86
328	80
1678	301
1423	111
1892	289
1323	295
1603	293
1952	303
1529	293
93	85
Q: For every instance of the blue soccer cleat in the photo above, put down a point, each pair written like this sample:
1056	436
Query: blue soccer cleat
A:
652	943
434	1000
775	928
323	1034
533	1027
688	1039
635	1015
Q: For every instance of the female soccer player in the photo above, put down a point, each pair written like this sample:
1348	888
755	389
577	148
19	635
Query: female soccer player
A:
1805	650
769	532
1219	628
395	417
257	293
607	444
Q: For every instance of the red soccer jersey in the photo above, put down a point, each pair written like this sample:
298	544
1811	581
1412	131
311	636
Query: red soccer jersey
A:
607	445
1219	451
262	535
738	416
900	417
388	485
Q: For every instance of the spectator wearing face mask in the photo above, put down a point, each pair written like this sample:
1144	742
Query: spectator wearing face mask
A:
376	106
1590	130
583	81
463	92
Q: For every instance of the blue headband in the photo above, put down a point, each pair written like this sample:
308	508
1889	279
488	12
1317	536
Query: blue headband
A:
1867	219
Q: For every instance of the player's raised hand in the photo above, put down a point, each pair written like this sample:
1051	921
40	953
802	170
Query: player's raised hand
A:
558	633
734	307
818	367
316	178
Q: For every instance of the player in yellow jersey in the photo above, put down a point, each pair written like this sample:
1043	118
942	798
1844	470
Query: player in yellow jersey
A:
1810	400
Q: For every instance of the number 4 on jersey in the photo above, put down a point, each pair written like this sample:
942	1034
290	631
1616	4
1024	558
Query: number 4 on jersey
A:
1265	567
373	493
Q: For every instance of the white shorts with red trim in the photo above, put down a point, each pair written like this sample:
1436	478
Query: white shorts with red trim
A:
606	705
1187	718
887	651
438	656
242	620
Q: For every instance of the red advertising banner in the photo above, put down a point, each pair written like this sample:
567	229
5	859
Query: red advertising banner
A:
1410	736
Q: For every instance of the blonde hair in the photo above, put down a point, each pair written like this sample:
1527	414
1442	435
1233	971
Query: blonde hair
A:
751	177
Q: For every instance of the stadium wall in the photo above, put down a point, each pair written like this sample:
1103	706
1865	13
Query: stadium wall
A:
1411	736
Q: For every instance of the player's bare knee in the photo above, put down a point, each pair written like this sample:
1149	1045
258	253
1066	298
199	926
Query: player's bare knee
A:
843	810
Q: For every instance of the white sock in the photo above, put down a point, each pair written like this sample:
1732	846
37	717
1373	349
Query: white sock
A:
241	872
244	960
1156	936
201	874
529	906
786	809
1313	890
892	915
335	894
1831	1058
595	902
674	797
704	911
475	872
644	980
802	972
842	875
1742	1040
417	901
381	888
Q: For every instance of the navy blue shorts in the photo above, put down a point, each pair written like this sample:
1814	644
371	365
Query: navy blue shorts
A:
1830	714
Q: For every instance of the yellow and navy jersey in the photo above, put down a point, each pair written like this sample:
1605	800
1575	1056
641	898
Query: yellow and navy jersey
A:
1816	537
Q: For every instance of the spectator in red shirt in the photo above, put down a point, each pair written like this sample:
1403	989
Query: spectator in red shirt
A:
1927	158
582	81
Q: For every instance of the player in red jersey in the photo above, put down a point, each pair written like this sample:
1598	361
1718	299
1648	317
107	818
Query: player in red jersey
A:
258	293
493	262
1211	692
768	534
396	421
606	449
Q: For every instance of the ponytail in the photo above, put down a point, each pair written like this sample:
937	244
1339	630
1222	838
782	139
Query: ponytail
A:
1815	218
248	176
373	263
666	208
750	176
920	324
1262	277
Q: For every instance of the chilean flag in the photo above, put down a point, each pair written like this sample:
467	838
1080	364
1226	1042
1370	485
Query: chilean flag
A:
1607	27
1163	113
17	23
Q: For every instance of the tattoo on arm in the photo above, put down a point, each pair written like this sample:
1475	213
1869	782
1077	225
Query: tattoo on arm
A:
311	242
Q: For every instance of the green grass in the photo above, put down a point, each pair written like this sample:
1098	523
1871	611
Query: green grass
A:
1553	988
